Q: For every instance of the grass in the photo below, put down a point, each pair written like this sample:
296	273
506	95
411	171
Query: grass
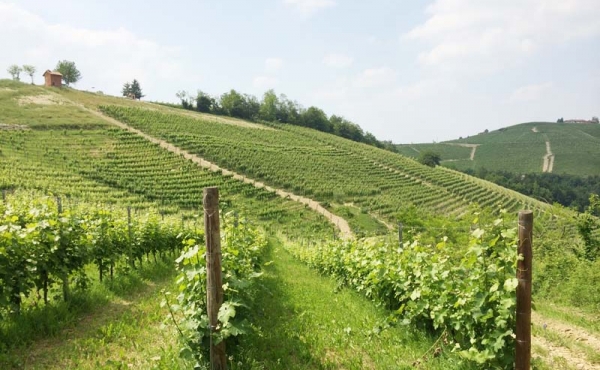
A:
115	325
362	223
305	322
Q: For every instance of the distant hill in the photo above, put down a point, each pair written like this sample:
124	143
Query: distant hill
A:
534	147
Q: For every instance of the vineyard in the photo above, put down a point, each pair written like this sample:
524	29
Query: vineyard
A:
521	148
87	204
340	171
44	243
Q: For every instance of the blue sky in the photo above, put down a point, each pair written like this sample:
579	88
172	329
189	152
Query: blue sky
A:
407	71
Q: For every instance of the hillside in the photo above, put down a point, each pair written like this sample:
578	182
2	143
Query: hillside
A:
535	147
308	192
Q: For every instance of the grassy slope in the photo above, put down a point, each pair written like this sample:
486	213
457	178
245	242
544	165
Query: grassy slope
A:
307	324
519	149
117	324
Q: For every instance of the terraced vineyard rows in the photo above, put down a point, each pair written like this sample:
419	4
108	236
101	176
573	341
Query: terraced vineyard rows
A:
469	188
341	171
114	166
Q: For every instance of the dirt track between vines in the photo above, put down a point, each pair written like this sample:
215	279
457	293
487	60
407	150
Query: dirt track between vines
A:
338	221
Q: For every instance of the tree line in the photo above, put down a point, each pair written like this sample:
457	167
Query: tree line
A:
569	190
280	109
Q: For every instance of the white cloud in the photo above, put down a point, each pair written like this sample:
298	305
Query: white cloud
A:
265	82
308	7
531	92
337	60
486	35
273	64
375	77
106	58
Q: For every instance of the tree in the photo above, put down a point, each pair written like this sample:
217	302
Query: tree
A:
15	71
204	102
70	73
560	120
237	105
126	90
187	102
30	70
315	118
136	90
269	107
595	120
430	158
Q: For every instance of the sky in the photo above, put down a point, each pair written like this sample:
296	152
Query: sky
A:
407	71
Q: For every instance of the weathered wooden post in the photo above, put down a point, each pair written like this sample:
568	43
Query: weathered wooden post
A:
214	284
400	232
523	332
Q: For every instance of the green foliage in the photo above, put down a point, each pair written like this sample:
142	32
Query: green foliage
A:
273	108
242	247
235	104
466	291
588	224
14	71
269	107
70	73
571	191
430	158
316	119
40	245
204	102
30	70
324	167
132	90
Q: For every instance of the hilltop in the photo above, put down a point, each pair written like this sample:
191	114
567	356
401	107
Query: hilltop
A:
533	147
312	195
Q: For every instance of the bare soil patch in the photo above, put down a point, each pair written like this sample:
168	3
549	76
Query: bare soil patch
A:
225	120
570	331
45	99
548	164
7	127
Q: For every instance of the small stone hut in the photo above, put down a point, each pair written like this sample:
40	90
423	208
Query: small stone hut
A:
53	78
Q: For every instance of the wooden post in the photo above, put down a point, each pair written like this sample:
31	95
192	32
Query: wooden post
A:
214	284
131	260
64	274
400	233
523	332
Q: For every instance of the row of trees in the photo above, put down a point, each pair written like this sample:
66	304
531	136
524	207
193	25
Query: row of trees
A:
70	73
15	71
277	108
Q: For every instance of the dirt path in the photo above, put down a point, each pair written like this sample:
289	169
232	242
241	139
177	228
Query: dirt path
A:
555	353
548	159
570	331
573	356
472	146
534	129
314	205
